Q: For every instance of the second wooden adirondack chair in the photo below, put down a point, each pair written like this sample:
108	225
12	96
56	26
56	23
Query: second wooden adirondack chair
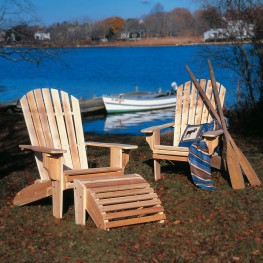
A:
55	129
190	110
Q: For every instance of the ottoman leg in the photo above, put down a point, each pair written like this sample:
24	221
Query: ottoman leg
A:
80	203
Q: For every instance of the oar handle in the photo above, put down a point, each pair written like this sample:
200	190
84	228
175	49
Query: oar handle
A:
217	100
203	95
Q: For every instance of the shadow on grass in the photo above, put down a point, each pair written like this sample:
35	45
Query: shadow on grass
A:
12	133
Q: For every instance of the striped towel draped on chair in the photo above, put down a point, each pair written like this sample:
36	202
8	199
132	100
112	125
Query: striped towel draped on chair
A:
199	160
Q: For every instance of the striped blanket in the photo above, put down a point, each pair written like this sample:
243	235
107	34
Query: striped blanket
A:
199	160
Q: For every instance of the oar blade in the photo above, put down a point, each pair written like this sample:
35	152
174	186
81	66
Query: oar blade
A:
234	169
245	165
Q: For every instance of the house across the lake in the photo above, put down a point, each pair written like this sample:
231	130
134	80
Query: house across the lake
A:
237	29
42	36
133	35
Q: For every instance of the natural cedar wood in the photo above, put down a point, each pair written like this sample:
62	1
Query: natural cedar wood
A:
33	137
128	200
189	109
245	165
234	168
51	117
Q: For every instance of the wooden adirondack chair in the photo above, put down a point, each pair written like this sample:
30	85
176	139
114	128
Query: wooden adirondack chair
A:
55	129
190	109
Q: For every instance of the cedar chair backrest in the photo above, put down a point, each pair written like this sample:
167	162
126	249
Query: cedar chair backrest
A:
190	108
53	120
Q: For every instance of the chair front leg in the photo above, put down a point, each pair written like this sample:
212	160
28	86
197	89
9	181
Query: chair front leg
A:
157	169
119	157
54	165
57	199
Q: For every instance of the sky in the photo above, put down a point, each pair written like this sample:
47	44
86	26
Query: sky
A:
51	11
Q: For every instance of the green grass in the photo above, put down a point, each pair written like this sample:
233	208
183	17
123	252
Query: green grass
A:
221	226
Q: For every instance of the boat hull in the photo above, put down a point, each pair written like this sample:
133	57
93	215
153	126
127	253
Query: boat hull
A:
115	105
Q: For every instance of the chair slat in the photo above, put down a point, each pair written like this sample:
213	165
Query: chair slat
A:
43	118
70	130
178	114
192	108
79	133
36	119
186	105
61	127
33	137
206	111
51	118
199	104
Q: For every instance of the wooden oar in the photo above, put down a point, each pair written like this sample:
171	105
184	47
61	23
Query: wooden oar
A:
233	165
246	167
244	163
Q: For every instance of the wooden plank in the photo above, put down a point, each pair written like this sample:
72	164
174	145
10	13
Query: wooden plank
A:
33	138
130	205
33	193
116	157
43	118
135	212
205	112
110	178
57	199
70	130
36	119
51	119
125	199
213	103
94	211
61	127
132	221
119	188
113	182
171	153
109	145
178	115
125	192
199	104
185	109
171	157
171	148
91	171
192	107
71	178
80	202
79	133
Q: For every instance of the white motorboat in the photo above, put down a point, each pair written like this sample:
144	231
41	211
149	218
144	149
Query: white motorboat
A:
139	102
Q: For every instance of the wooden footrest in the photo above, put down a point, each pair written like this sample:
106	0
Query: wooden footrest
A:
116	201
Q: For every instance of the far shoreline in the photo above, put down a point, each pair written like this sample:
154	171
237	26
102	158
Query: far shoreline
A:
147	42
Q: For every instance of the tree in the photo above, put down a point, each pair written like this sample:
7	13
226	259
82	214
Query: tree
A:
156	22
181	22
243	22
15	18
207	18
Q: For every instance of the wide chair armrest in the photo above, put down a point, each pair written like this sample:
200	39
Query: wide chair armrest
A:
42	149
153	134
157	128
212	139
112	145
213	134
119	153
52	159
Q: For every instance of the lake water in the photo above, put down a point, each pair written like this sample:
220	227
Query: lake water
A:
88	72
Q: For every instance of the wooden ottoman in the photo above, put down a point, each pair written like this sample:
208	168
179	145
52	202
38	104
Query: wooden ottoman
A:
114	201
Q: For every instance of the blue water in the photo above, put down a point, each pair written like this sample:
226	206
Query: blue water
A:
85	72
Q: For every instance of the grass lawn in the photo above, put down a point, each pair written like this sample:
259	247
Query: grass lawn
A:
221	226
